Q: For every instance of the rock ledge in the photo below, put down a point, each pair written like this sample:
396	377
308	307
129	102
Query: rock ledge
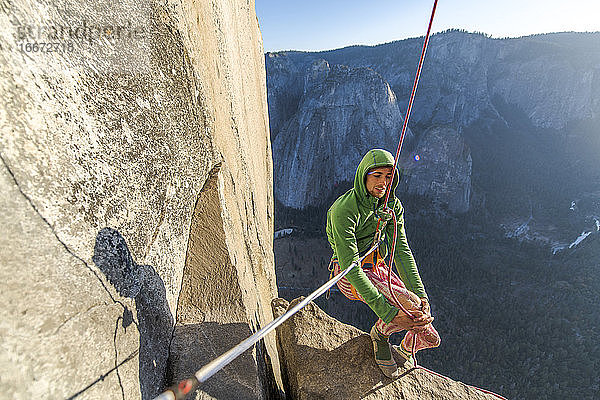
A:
322	358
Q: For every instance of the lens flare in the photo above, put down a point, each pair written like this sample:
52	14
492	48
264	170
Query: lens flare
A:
417	157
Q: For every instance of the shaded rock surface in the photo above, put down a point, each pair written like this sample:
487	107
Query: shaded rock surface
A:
136	197
341	111
325	359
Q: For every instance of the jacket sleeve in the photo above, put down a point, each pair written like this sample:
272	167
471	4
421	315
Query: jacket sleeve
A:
342	229
403	257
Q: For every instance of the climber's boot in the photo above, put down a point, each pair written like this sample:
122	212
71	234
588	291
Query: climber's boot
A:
405	354
383	353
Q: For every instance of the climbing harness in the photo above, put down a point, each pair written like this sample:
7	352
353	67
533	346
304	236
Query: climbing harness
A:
187	386
370	261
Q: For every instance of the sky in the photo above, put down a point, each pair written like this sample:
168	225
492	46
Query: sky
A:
329	24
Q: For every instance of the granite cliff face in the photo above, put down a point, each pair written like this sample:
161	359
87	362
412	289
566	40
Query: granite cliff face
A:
552	80
341	111
440	163
136	199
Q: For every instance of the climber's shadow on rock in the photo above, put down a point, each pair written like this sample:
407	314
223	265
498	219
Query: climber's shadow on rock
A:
154	319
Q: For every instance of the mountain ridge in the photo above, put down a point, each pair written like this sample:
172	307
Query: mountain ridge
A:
502	96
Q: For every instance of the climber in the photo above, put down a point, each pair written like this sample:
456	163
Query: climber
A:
352	222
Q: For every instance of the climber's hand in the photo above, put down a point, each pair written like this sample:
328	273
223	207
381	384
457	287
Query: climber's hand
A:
425	308
404	321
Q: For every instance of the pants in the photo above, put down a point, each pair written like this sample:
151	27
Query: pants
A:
378	275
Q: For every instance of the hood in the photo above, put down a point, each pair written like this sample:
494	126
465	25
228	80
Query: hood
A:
373	158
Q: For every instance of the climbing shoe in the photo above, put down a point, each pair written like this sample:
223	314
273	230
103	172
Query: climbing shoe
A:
383	354
405	354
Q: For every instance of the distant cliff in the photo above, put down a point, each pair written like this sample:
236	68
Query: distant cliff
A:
341	111
553	80
440	164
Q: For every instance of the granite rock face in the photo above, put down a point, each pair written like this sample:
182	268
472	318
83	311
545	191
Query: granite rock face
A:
326	359
136	196
285	86
341	112
552	80
440	166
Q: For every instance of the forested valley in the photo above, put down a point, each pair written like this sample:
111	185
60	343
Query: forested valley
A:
513	317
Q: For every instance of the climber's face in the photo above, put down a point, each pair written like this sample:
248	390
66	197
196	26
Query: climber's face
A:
377	181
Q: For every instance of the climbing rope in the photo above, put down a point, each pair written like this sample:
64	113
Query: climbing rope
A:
187	386
391	211
412	98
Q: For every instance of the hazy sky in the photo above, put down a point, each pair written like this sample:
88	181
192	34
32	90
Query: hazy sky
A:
329	24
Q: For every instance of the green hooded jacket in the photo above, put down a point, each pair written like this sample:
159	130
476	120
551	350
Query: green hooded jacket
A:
351	223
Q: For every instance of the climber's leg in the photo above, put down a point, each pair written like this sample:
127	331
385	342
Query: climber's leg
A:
383	353
425	339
